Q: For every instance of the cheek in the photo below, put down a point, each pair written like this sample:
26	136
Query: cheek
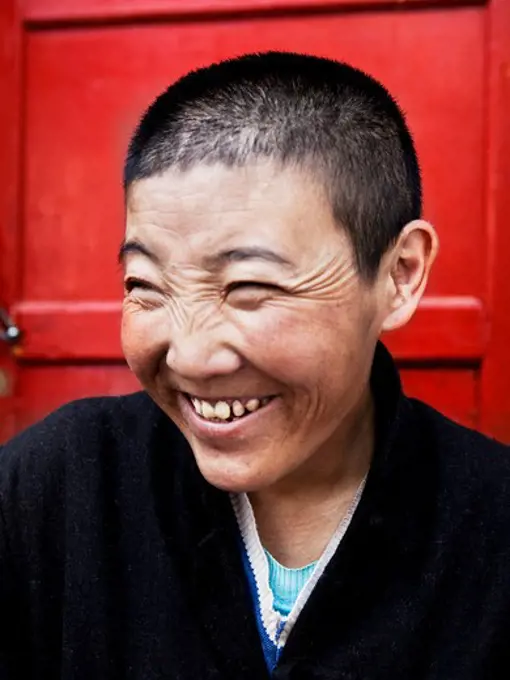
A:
142	345
320	348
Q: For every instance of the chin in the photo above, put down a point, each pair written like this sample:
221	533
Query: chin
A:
234	476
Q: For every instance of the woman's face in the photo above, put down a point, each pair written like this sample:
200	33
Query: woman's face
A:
245	318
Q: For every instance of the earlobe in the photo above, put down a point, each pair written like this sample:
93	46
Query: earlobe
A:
412	259
399	316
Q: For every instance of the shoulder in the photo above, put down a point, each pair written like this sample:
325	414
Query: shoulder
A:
457	439
473	470
80	431
84	420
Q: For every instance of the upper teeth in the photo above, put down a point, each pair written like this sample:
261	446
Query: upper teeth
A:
223	410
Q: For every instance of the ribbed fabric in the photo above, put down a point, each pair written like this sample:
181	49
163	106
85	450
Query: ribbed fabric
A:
286	584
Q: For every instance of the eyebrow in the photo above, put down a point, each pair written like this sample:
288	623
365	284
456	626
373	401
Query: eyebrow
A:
224	257
133	246
212	262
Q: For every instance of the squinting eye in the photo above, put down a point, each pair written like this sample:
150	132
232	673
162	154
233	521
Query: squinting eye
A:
250	295
237	285
131	284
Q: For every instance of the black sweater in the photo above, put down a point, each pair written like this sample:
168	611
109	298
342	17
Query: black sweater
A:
117	559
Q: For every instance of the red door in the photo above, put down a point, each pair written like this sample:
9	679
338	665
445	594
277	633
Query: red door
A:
75	77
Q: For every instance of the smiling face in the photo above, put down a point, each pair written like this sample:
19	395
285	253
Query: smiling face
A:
241	289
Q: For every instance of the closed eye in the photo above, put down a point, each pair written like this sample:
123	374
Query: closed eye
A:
132	284
251	284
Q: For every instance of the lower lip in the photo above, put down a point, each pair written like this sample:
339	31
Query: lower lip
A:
243	427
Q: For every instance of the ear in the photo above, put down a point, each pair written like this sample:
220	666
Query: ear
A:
410	261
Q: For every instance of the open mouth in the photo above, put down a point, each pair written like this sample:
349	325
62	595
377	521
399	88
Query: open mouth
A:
226	410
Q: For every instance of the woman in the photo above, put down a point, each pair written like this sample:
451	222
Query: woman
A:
271	504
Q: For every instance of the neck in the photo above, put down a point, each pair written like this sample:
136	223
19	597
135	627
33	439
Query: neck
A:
297	517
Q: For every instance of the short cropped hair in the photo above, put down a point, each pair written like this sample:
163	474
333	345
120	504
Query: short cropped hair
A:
321	115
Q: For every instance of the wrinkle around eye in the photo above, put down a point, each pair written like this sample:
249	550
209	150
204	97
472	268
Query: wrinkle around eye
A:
143	297
140	304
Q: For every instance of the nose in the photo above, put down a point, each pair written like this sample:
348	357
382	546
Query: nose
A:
198	355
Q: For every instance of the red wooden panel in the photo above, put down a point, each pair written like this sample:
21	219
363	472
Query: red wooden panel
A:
43	388
443	328
496	370
86	88
10	110
63	10
451	391
70	331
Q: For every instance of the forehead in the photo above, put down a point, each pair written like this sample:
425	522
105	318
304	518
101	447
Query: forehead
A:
206	206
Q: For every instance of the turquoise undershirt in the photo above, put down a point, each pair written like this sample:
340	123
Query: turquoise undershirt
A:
286	584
